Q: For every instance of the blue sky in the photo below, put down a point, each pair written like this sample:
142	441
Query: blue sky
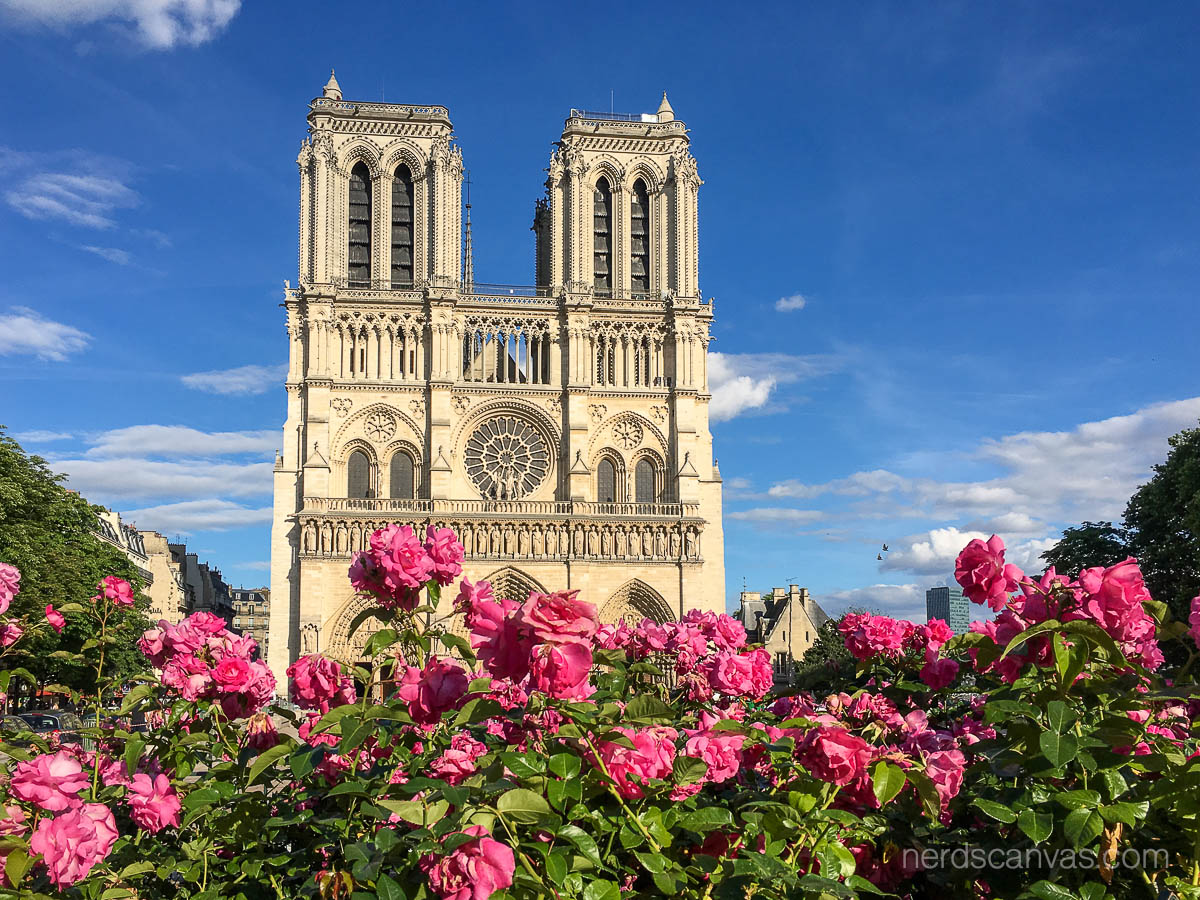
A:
954	249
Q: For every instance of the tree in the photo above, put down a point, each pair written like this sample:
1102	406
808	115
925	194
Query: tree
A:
827	665
1089	544
49	533
1163	518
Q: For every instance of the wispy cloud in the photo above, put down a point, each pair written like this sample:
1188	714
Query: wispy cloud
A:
156	24
24	331
241	380
258	565
80	199
744	382
192	516
42	437
179	441
904	601
775	515
791	304
112	254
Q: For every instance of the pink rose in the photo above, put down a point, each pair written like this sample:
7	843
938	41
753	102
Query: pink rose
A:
472	871
13	821
10	585
50	781
209	623
153	802
833	754
471	594
55	618
1194	620
652	756
500	643
10	632
945	769
436	689
71	844
561	670
232	674
740	675
189	675
183	638
446	552
722	751
116	590
983	574
867	636
457	764
261	733
559	618
728	633
317	682
938	672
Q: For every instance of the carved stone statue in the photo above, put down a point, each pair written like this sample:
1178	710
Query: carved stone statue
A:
606	543
563	539
523	541
621	542
539	542
510	542
342	546
308	639
674	543
310	537
647	543
593	542
494	542
691	542
579	540
660	543
326	538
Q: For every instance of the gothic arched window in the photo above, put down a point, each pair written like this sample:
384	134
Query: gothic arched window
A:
606	482
602	237
643	481
639	234
402	228
359	248
358	476
402	476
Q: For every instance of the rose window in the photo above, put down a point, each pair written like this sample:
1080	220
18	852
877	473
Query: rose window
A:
628	433
506	458
379	426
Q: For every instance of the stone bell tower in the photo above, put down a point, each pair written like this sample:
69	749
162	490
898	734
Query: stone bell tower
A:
560	428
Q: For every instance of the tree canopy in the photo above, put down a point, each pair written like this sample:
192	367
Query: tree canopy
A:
49	533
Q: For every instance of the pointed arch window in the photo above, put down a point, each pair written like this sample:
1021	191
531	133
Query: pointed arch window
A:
643	481
359	250
602	238
402	228
639	237
606	482
358	476
402	476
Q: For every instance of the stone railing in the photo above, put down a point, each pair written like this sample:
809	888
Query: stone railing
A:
513	530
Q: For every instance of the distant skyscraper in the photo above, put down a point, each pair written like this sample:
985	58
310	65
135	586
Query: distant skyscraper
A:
949	604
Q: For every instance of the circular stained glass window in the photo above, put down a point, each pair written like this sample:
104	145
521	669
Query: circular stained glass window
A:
506	458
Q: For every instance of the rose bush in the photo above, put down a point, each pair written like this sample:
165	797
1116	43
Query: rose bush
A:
547	755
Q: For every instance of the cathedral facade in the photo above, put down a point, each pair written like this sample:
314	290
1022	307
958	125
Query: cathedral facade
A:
560	429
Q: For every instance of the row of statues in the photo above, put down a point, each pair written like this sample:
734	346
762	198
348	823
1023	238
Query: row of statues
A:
524	540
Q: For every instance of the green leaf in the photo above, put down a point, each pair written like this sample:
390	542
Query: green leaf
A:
1078	799
16	865
930	801
707	818
1083	826
524	806
415	811
134	697
887	781
601	890
380	641
688	769
583	842
476	710
648	708
1037	825
1060	749
556	867
387	889
997	811
1059	716
565	765
133	754
457	643
1048	890
266	759
137	868
435	593
1125	812
1114	782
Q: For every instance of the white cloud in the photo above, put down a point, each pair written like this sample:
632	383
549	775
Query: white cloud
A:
88	200
901	601
112	254
742	382
242	380
860	484
124	479
934	552
790	304
258	565
192	516
777	516
42	437
25	331
157	24
179	441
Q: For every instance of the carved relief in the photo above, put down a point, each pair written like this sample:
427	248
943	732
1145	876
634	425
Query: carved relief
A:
461	404
341	405
628	433
597	411
379	427
659	413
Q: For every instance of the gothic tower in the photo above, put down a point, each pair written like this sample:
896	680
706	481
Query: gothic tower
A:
561	429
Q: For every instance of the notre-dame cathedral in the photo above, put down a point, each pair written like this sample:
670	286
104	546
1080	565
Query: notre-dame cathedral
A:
560	429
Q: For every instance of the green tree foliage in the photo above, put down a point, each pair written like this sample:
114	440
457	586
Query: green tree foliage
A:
49	533
1089	544
827	665
1163	518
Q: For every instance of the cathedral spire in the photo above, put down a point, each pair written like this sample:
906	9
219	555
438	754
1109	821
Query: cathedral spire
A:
665	113
468	249
333	90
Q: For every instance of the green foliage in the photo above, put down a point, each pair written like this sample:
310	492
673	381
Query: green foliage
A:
827	665
49	533
1089	544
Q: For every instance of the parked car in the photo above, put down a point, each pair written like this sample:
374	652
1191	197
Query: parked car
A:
49	722
11	726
